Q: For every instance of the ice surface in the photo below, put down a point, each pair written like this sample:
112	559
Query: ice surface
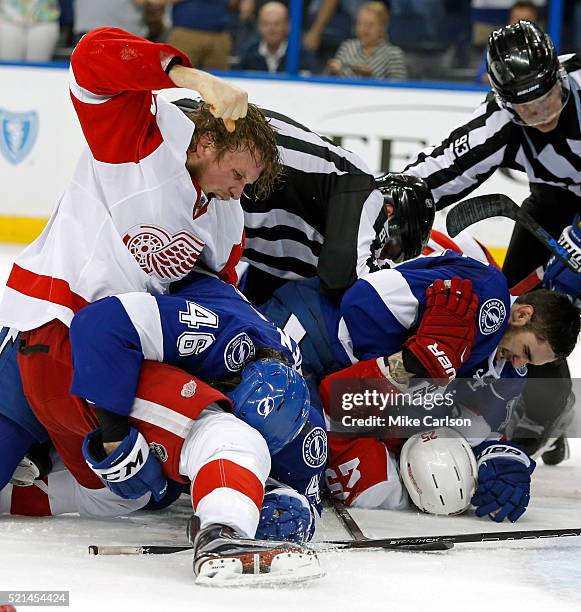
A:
511	576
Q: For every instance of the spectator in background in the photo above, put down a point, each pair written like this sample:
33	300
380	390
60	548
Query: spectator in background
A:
523	9
201	29
29	29
489	15
124	14
244	26
369	55
268	54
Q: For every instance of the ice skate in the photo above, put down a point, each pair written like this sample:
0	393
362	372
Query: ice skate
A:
223	558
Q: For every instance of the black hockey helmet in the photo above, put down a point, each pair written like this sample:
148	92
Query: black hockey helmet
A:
408	230
522	63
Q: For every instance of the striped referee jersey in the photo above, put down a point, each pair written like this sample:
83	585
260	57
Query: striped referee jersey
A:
491	140
325	218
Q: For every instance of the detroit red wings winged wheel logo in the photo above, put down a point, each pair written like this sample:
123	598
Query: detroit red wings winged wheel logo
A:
157	252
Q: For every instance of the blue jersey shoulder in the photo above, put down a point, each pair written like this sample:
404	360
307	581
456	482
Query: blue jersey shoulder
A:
384	308
208	329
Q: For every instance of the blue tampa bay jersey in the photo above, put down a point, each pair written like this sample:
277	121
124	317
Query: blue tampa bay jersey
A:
301	463
488	392
207	328
382	309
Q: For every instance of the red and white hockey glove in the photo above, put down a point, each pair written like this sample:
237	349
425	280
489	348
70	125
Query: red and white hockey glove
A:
448	329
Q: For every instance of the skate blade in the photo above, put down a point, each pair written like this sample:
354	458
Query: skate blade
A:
286	569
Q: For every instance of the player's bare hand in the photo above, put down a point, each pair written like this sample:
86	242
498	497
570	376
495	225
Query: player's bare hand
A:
226	101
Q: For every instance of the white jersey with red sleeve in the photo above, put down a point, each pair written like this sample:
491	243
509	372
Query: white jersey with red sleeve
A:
132	218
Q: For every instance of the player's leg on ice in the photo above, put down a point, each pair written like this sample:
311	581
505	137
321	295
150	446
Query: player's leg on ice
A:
227	461
59	493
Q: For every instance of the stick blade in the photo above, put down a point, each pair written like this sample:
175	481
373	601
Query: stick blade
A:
479	208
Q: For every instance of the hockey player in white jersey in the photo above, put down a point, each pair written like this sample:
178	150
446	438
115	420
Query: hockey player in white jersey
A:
154	192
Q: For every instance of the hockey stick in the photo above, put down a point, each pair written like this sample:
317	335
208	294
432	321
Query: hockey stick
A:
380	543
348	522
342	513
353	529
479	208
463	538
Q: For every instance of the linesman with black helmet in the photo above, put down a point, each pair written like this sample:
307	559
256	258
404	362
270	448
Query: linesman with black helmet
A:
327	217
530	121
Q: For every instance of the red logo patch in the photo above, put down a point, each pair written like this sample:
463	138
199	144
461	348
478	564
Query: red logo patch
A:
167	257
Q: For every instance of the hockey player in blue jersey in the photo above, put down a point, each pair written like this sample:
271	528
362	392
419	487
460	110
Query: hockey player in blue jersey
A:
207	328
214	337
387	311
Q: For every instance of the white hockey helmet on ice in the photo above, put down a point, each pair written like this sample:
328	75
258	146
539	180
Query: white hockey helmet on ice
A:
439	471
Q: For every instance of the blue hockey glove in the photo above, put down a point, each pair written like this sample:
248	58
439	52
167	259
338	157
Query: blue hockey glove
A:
286	515
130	471
558	276
504	481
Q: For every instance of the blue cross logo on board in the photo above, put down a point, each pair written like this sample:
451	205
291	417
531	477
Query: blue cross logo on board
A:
18	132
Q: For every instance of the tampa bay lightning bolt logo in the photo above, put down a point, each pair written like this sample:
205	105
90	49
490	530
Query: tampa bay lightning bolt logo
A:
491	317
315	448
18	132
238	351
265	406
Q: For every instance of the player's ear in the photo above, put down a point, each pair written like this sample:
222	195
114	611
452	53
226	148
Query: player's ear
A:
521	314
204	145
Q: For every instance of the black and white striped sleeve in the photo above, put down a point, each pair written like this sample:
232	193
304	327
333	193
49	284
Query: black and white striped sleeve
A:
469	155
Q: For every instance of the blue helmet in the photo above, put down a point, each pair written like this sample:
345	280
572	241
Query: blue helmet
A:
273	399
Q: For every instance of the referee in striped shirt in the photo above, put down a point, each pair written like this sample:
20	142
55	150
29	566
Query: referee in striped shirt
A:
324	219
531	121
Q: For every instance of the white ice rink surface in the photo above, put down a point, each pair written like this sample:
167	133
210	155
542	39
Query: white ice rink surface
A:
511	576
